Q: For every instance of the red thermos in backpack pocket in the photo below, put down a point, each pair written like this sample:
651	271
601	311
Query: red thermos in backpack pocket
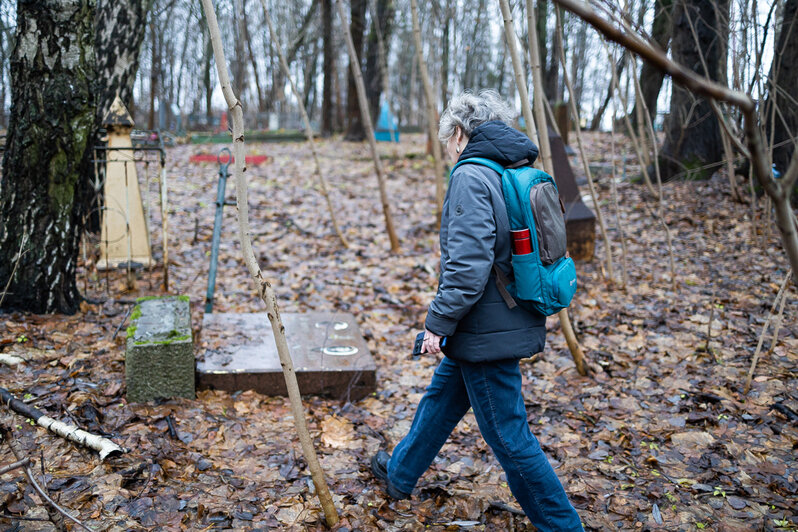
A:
522	244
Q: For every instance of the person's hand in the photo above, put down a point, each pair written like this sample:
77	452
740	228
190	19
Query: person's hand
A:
432	343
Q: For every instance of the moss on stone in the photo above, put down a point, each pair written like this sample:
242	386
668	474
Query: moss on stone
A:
131	331
136	314
173	336
148	298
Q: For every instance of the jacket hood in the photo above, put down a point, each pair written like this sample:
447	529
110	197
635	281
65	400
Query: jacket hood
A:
499	142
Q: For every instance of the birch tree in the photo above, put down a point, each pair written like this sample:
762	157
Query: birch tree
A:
44	193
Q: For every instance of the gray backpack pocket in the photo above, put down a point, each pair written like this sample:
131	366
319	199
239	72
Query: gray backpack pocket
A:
549	222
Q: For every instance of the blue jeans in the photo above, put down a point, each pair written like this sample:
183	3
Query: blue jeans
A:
493	389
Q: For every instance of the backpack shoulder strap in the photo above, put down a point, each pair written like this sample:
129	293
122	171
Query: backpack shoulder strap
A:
501	284
493	165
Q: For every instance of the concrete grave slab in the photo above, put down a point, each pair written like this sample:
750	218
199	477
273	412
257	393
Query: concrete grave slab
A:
329	353
159	358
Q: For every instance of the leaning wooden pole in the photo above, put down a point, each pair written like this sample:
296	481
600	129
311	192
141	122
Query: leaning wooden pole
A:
520	82
263	286
545	150
432	115
103	446
365	116
578	131
306	119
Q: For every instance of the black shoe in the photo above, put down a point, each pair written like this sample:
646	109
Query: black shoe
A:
379	466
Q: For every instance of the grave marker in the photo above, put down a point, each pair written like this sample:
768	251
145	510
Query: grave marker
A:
329	353
580	222
159	358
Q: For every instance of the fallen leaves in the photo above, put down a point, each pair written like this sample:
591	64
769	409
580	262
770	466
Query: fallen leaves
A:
661	426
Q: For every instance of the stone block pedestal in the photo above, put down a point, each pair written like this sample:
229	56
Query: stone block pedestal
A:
159	358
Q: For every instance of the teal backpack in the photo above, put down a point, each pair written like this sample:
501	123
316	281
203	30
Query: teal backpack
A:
545	279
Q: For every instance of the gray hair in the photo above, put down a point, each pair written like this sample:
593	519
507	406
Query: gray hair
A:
468	110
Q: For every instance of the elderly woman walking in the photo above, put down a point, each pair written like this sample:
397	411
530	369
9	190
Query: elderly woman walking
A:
485	338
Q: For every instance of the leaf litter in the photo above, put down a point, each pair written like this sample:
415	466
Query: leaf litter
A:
660	437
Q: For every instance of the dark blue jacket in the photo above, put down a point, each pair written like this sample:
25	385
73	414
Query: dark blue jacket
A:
475	234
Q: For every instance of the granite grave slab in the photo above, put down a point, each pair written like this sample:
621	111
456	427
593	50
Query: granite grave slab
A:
330	356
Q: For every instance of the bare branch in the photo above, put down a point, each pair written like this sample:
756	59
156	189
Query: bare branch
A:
15	465
54	517
710	89
263	286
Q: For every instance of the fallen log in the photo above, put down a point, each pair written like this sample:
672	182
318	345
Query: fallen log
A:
104	446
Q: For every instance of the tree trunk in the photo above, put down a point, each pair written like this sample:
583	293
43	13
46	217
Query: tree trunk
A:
308	128
207	59
354	128
373	75
155	63
447	22
596	122
239	65
468	76
650	76
360	90
43	196
784	75
693	141
328	68
251	55
432	114
543	43
578	66
6	45
120	28
264	287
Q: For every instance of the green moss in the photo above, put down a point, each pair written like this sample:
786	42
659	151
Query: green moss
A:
147	298
131	331
136	314
694	169
174	336
61	188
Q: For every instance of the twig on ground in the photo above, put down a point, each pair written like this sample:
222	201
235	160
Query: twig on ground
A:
129	309
780	294
15	465
10	360
102	445
170	422
55	516
498	505
14	270
18	518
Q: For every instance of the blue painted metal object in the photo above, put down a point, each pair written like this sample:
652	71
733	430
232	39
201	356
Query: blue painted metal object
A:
217	225
387	129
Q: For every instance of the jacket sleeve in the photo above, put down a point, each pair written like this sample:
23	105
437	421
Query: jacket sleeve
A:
470	242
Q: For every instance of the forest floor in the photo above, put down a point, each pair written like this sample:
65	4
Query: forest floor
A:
662	438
